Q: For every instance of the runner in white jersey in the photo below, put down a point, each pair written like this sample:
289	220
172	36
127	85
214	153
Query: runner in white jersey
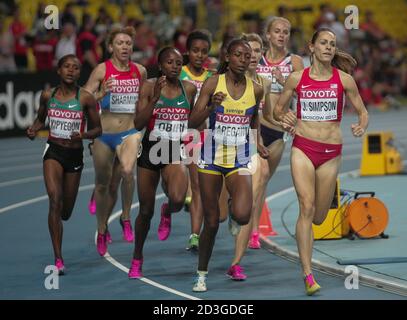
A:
116	84
275	66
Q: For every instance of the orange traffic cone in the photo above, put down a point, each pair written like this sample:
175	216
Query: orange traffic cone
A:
265	226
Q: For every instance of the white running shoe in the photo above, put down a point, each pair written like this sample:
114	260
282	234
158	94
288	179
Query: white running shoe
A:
200	283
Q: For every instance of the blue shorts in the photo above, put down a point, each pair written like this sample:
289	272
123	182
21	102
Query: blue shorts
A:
115	139
218	170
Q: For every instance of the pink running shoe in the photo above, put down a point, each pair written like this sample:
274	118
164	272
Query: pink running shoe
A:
101	244
164	229
59	263
127	230
108	237
92	206
135	269
254	242
236	273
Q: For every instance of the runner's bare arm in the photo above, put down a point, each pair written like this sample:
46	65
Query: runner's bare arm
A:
39	121
255	124
190	91
149	95
203	108
94	125
93	85
281	112
352	94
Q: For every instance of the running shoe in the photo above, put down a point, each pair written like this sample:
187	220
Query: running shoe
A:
236	273
101	244
92	206
108	237
164	229
135	269
254	242
200	282
127	230
59	263
193	242
311	286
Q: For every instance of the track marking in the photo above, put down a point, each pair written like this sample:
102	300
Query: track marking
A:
118	265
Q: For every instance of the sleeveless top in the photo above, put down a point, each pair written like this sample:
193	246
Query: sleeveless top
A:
228	144
170	117
265	68
320	100
125	90
197	81
65	117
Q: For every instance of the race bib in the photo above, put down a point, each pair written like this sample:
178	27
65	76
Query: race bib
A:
62	123
171	123
231	130
124	95
319	105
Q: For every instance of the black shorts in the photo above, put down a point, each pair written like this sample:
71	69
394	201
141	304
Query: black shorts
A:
270	135
155	155
70	159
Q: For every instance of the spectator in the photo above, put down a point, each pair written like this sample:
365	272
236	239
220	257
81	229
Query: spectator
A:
146	43
373	31
160	22
214	10
7	63
342	36
190	10
181	35
44	49
86	45
67	42
19	31
68	15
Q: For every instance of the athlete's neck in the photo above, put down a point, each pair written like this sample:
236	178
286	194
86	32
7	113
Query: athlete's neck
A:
236	78
66	89
195	71
120	64
172	82
321	70
276	54
251	73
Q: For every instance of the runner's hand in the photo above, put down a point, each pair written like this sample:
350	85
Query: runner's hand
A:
217	99
31	133
159	85
76	136
263	151
357	130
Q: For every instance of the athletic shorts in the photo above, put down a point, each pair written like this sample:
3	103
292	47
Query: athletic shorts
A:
70	159
156	154
317	152
115	139
218	170
270	135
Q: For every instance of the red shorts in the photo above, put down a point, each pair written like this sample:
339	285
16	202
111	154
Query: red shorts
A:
317	152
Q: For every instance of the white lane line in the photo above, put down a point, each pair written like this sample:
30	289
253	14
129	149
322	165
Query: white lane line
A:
107	256
118	265
38	199
33	166
32	179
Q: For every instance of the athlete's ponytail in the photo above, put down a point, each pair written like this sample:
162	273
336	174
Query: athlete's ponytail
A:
342	60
